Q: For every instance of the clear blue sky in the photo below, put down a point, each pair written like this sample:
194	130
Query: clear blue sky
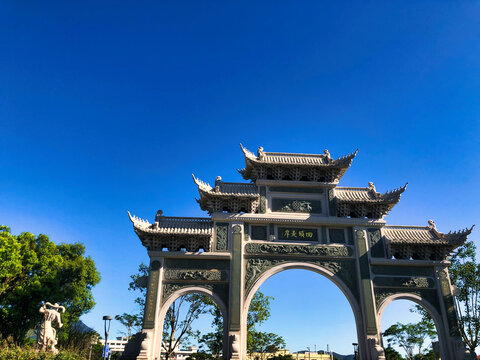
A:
110	106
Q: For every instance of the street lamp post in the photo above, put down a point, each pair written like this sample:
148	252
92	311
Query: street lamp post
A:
355	351
106	318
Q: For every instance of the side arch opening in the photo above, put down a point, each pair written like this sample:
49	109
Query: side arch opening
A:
400	309
186	294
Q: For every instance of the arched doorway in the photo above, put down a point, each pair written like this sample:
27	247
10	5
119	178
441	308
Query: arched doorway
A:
403	318
344	290
197	290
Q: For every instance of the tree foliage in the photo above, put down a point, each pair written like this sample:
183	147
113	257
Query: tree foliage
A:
34	269
411	337
138	284
264	344
129	321
257	341
177	326
465	275
392	354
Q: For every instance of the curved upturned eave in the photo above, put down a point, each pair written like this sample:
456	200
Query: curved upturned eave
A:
458	238
202	185
144	227
388	198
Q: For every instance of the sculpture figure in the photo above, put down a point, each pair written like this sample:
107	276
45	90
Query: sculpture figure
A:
46	334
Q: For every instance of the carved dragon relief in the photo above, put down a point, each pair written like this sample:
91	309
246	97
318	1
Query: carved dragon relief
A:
320	250
255	267
404	281
381	294
201	275
220	289
298	206
221	237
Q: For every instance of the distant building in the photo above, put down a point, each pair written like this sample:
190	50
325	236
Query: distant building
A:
299	355
312	355
182	354
116	345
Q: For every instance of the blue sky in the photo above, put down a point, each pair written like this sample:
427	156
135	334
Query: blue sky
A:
107	107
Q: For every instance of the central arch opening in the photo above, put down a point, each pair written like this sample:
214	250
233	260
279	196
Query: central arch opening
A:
311	316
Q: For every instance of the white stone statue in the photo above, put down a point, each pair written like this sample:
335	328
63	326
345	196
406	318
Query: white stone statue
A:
46	333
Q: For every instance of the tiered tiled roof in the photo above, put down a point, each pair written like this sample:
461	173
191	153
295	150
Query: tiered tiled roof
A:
405	242
299	167
173	232
227	196
365	202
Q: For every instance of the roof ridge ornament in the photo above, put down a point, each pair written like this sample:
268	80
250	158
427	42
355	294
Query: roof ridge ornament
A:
433	228
260	153
202	184
218	181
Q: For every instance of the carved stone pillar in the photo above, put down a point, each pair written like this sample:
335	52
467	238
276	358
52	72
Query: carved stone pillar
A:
151	330
236	294
370	345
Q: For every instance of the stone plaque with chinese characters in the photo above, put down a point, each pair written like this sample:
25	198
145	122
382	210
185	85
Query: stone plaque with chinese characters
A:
297	234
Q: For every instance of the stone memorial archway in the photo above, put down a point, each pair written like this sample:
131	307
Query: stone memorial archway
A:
293	215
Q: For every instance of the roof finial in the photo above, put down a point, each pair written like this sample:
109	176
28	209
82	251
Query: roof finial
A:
371	186
158	218
431	225
260	153
326	153
218	180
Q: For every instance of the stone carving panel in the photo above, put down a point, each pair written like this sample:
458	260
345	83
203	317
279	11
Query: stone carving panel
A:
221	231
376	243
283	249
300	206
255	267
409	282
430	295
202	275
220	289
263	200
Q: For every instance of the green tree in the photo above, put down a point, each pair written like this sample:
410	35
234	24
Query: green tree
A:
179	318
409	336
129	321
33	269
427	356
264	343
465	275
200	356
138	284
392	354
259	311
257	341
